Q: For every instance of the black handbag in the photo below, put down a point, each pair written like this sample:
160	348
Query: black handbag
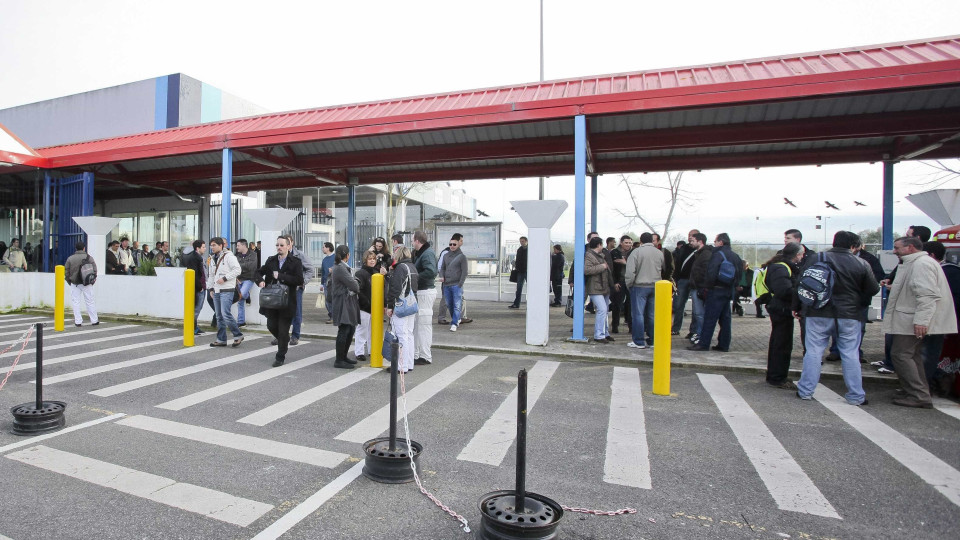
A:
514	275
568	311
275	296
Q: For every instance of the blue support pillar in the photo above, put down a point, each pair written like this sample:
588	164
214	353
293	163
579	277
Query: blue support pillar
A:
46	245
579	236
888	205
594	226
226	206
351	221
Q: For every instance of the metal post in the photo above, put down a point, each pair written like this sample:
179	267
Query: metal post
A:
58	301
351	227
888	204
47	244
521	490
661	339
376	320
594	226
226	186
580	193
394	370
39	327
189	298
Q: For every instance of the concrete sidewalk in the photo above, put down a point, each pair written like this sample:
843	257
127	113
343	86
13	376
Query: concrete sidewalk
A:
498	330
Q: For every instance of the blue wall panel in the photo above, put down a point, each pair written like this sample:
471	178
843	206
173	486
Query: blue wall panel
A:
210	99
173	100
160	104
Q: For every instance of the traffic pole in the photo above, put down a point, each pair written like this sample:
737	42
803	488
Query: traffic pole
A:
58	300
663	321
189	297
376	320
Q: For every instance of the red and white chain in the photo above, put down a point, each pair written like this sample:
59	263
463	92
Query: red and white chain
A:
416	477
25	337
600	512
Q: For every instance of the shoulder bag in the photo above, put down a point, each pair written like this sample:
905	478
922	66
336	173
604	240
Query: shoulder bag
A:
406	306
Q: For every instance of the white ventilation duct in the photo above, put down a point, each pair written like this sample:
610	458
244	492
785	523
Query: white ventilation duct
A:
940	205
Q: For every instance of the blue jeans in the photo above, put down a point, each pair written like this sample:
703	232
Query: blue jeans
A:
453	297
818	333
716	309
245	287
221	303
680	302
295	333
696	324
602	303
641	309
520	279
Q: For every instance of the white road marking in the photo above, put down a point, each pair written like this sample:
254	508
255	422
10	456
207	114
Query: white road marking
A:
311	505
947	407
790	487
123	349
48	329
627	457
21	323
47	348
378	422
199	500
490	444
47	336
161	377
246	443
911	455
239	384
38	438
308	397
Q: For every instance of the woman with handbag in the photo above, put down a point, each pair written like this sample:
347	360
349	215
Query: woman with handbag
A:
278	280
345	307
400	298
364	276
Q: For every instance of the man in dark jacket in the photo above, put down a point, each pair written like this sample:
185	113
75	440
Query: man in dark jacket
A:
425	262
557	262
520	265
853	287
194	261
248	267
667	270
781	282
683	264
619	297
698	276
718	292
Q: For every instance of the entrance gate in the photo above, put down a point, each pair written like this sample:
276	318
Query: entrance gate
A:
63	200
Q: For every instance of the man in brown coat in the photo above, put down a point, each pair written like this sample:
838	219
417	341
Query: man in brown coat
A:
920	304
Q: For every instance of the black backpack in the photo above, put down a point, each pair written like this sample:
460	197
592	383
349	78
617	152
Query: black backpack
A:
816	283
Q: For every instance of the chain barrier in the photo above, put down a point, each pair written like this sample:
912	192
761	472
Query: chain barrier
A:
406	430
25	337
600	512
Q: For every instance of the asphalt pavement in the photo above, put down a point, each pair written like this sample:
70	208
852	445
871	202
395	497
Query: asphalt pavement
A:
174	442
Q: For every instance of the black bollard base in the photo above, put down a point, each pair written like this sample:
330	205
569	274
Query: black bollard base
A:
500	519
29	420
390	466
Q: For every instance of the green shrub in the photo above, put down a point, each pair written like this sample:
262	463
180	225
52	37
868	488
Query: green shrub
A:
146	268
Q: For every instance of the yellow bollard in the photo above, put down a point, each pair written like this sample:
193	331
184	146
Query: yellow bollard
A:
376	321
663	321
58	300
189	298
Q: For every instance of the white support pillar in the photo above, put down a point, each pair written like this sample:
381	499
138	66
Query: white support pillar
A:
539	216
270	222
97	229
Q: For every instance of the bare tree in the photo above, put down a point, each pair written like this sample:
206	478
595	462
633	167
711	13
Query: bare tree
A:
942	173
396	194
677	195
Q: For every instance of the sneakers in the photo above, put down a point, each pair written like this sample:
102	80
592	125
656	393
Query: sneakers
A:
294	341
694	338
421	362
465	320
689	335
878	363
633	345
237	341
219	344
885	371
453	328
808	398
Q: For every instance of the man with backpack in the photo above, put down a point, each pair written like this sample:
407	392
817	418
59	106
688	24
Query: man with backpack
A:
717	290
832	293
80	271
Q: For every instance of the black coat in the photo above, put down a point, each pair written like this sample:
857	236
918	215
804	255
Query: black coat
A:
396	281
782	284
364	277
713	268
520	264
194	261
290	275
700	262
557	261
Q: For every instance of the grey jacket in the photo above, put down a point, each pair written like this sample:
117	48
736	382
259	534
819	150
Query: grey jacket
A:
343	290
644	266
71	268
307	265
454	269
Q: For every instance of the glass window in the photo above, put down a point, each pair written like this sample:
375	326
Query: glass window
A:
126	227
184	229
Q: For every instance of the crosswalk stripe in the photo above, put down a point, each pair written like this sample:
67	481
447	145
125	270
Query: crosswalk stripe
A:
627	456
77	427
154	379
947	407
311	505
306	398
85	342
124	349
199	500
47	336
24	327
911	455
378	422
246	443
239	384
491	442
790	487
21	322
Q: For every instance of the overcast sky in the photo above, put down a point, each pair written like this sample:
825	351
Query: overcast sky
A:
295	55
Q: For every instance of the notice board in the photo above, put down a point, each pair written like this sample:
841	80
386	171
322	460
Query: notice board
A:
481	240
